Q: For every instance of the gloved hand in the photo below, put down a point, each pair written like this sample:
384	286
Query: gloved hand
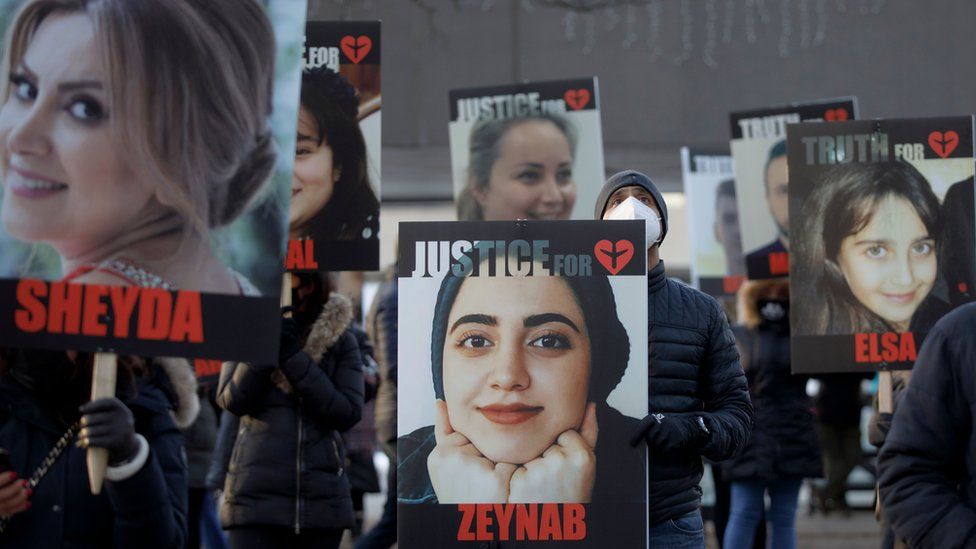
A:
107	423
668	433
291	340
878	428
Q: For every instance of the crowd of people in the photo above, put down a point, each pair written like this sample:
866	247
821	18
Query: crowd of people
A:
281	458
280	454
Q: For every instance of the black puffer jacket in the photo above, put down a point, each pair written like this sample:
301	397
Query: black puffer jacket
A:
783	443
147	509
927	466
286	468
693	367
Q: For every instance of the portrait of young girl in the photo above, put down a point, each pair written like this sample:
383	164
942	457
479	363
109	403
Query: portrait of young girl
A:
866	252
522	370
135	134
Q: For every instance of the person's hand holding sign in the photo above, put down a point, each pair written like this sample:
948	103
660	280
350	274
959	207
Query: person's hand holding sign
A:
565	472
458	471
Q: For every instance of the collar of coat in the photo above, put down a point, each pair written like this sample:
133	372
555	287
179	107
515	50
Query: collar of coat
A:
335	317
184	384
656	277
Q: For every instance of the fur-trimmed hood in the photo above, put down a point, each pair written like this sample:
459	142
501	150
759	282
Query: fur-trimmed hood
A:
184	385
747	298
335	318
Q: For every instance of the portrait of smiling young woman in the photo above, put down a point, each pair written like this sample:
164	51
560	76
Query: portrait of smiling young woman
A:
520	168
522	369
114	151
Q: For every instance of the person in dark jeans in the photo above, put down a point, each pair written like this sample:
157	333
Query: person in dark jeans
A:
783	448
697	395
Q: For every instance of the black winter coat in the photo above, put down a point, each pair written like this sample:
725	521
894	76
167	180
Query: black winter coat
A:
146	510
783	443
287	465
693	368
927	466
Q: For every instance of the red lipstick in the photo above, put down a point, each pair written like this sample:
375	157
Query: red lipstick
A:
509	414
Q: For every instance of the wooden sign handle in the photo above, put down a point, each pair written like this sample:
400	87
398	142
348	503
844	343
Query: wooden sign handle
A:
286	292
885	404
103	385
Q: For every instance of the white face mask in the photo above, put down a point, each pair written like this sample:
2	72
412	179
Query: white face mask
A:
635	209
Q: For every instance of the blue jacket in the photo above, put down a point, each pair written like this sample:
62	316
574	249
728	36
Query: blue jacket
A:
146	510
927	466
693	369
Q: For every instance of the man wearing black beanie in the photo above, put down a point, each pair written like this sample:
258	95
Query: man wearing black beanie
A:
698	401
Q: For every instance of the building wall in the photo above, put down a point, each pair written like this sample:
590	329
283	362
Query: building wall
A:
911	59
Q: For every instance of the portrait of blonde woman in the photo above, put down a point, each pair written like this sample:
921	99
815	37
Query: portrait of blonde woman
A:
131	131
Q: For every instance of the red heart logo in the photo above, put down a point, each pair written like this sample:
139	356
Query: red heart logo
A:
577	99
836	115
614	256
944	143
356	47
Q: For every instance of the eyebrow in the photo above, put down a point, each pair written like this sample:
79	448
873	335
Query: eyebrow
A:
535	165
64	86
487	320
303	137
889	241
637	194
544	318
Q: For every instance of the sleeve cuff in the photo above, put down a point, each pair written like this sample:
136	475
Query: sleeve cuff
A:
129	468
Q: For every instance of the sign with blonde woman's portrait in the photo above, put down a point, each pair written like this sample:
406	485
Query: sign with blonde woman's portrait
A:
522	352
526	151
145	174
334	213
883	238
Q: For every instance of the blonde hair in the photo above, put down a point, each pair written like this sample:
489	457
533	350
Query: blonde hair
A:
190	86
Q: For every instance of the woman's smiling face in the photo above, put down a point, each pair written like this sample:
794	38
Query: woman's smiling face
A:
533	175
65	178
516	365
314	174
890	265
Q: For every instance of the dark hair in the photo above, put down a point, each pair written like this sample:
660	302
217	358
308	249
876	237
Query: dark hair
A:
609	343
725	188
778	150
484	149
842	203
308	308
333	104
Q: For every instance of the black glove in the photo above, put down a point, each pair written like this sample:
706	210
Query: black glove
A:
291	340
878	428
672	432
107	423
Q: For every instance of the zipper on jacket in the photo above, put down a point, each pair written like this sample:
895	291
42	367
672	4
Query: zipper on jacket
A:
339	461
298	471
